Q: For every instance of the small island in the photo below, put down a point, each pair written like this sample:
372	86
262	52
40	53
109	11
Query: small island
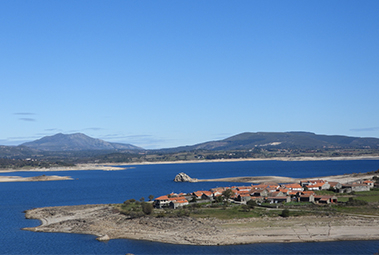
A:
233	215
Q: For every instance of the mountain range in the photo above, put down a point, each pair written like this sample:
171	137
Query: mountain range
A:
79	142
283	140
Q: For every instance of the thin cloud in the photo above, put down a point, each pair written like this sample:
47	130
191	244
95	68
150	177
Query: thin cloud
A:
53	129
144	141
93	129
370	129
27	119
24	113
17	140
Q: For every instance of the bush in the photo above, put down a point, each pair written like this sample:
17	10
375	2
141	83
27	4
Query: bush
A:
161	215
251	204
285	213
147	208
134	215
182	213
356	202
245	208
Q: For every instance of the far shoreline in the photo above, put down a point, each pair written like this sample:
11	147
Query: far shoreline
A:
125	165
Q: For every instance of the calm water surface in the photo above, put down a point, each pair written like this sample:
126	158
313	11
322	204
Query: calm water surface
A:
94	187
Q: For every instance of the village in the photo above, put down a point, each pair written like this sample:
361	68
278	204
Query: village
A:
268	192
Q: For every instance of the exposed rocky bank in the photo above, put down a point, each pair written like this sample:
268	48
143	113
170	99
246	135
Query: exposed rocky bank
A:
107	223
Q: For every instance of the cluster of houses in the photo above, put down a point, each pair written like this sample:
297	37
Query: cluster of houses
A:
270	192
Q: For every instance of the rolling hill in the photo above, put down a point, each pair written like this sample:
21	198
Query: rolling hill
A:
75	142
282	140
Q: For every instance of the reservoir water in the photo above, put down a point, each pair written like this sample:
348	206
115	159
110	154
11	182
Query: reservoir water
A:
98	187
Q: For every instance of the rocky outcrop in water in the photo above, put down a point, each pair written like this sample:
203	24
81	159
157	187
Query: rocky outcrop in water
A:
183	177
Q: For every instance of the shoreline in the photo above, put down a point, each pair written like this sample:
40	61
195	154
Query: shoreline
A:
78	167
343	178
119	166
34	178
105	223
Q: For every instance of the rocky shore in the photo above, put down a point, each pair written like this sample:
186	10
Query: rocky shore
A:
107	223
344	178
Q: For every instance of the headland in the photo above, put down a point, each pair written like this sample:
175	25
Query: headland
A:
317	223
106	223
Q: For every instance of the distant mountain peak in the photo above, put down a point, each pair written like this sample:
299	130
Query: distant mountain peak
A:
76	142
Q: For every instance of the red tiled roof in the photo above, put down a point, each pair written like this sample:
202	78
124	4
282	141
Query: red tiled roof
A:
207	193
308	192
181	201
293	186
162	198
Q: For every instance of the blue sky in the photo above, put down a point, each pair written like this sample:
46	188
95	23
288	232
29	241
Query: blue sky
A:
161	74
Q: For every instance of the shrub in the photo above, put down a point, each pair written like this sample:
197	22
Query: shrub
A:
285	213
161	215
147	208
245	208
182	213
356	202
251	204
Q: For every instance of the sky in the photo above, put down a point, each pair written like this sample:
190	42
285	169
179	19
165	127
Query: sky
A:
162	73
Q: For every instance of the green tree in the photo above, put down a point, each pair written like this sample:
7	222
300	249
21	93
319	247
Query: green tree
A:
151	197
218	199
227	194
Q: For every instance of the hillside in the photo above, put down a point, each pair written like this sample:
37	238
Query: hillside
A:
283	140
75	142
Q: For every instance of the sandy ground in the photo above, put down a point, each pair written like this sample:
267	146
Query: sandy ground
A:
106	223
34	179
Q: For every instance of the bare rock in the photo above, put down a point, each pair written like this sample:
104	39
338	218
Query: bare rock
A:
103	238
183	177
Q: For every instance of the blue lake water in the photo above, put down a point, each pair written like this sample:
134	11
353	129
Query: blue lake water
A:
97	187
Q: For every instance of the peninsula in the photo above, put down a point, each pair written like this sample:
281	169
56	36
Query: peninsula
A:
206	223
107	223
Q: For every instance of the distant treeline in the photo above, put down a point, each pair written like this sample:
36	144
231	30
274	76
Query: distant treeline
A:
26	163
71	158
